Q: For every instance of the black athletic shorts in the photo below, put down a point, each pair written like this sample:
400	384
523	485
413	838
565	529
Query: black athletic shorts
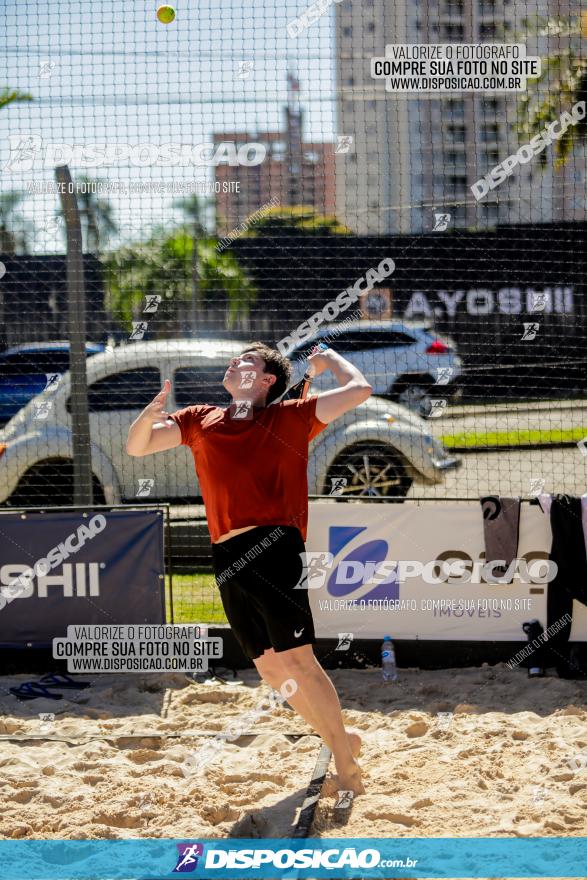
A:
256	573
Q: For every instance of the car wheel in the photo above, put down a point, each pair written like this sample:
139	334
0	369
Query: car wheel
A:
368	470
50	484
416	398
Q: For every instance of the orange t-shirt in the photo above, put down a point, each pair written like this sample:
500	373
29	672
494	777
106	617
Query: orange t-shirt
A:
252	471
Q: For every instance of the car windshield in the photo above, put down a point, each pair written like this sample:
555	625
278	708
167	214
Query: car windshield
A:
200	385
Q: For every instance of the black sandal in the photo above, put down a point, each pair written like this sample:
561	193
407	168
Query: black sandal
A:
62	680
32	690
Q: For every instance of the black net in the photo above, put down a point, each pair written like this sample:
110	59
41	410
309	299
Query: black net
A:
404	181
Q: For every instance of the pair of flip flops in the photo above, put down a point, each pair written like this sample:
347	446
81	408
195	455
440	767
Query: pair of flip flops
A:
32	690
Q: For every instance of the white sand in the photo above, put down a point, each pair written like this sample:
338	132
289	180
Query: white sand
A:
501	768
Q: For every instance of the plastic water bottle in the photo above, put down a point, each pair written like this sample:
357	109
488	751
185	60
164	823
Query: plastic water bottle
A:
388	667
534	630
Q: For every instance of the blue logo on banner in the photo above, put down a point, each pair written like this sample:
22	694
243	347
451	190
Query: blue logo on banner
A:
360	566
187	860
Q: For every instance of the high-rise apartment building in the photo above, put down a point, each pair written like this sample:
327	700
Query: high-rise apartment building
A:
418	154
293	172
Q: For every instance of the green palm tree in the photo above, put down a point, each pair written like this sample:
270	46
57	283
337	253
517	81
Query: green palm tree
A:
11	96
14	229
302	219
163	265
561	84
11	241
193	208
96	217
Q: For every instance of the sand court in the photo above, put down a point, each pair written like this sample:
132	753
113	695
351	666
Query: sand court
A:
465	752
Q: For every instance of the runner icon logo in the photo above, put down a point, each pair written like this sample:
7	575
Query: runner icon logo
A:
441	222
530	331
338	485
437	407
344	641
344	800
315	567
187	860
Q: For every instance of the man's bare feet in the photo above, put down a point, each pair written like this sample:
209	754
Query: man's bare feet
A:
350	779
349	771
336	782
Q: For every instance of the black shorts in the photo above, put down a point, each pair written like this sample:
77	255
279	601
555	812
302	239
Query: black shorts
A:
256	573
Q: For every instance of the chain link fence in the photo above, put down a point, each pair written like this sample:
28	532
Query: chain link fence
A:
291	173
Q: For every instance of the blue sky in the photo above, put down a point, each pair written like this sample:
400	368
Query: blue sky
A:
119	76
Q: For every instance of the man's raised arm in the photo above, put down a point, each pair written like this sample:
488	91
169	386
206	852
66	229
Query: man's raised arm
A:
151	432
354	388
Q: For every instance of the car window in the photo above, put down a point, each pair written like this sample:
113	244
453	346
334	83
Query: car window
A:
368	340
351	341
193	385
52	362
357	340
388	338
9	362
22	362
26	362
130	389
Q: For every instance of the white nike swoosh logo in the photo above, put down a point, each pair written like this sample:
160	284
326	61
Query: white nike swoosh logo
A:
298	634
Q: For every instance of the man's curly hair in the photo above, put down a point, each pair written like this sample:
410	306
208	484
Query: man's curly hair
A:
276	364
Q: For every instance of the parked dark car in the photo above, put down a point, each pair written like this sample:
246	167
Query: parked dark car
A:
25	371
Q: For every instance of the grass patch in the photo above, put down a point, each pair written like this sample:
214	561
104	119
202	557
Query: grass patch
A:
532	437
196	599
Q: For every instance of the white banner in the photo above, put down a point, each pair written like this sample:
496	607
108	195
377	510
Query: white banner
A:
352	590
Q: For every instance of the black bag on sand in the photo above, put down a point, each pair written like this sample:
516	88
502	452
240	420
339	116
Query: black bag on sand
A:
568	552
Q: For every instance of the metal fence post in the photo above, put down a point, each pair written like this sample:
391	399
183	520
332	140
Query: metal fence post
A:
169	561
76	317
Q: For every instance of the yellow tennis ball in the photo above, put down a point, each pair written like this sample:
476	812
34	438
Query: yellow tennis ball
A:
165	14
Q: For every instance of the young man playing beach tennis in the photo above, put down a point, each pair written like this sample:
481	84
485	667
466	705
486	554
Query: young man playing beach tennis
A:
251	460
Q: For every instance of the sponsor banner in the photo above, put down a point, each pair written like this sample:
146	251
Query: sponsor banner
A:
66	568
289	858
481	301
360	589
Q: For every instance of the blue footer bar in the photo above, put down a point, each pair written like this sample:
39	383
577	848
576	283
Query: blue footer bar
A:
295	859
